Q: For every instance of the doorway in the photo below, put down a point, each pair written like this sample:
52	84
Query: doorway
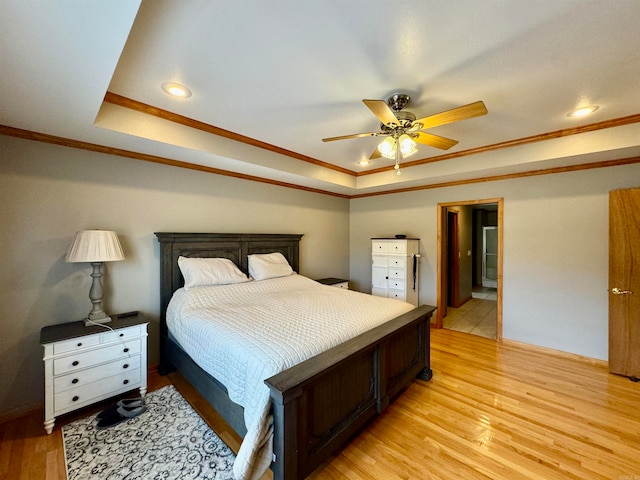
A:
489	257
469	286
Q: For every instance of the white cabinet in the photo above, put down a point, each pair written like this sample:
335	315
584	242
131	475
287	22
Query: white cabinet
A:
84	365
394	268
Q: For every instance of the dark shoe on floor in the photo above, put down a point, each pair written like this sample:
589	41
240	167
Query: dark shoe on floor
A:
120	415
125	402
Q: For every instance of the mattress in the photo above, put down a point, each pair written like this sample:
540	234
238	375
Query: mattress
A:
245	333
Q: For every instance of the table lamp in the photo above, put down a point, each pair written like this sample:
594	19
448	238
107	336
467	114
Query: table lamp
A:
95	247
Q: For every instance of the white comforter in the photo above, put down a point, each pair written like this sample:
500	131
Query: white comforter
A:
243	334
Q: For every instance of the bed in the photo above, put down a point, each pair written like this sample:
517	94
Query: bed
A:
319	404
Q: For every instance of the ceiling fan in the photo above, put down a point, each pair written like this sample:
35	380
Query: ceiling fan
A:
403	130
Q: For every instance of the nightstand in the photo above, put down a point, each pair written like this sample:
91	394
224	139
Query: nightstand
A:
83	365
335	282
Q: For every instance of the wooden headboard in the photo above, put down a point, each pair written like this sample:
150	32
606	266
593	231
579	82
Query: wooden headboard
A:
234	246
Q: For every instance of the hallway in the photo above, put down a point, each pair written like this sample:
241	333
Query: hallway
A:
477	316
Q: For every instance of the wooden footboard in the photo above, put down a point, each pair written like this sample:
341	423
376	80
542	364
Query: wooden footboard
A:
320	404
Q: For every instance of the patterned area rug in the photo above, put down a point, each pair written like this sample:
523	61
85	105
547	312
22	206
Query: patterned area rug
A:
168	441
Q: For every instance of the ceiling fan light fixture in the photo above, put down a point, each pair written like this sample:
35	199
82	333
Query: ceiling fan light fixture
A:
176	90
402	129
387	148
583	111
407	145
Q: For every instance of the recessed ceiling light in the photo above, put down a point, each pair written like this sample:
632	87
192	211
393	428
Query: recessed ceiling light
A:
176	90
583	111
364	162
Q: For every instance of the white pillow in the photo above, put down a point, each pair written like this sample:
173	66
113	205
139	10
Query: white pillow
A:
199	272
268	265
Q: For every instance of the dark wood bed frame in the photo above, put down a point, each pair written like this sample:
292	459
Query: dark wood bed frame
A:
321	403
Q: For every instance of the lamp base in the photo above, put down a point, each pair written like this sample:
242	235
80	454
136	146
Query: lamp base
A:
88	322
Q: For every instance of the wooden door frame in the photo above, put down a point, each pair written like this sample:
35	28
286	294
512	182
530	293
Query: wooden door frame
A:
441	269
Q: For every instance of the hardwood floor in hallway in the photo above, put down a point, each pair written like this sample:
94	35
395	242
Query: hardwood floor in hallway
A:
491	411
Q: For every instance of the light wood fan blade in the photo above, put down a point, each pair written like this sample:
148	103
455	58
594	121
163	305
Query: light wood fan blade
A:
355	135
475	109
437	141
376	154
381	110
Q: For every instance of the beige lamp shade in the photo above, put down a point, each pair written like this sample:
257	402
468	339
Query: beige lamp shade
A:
95	246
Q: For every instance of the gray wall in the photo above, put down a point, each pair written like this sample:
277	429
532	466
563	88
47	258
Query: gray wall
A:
555	250
555	243
49	192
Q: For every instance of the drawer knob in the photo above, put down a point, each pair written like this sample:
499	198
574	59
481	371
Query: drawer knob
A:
126	350
122	334
75	380
79	344
126	365
76	398
75	363
125	382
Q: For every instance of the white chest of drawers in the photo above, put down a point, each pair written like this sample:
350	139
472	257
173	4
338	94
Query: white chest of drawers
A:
83	365
394	268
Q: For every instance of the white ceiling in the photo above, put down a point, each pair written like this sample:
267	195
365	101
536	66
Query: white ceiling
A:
289	73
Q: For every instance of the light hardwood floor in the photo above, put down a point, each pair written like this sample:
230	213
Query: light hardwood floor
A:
491	411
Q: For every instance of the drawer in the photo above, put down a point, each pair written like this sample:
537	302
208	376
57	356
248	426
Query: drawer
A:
400	262
344	285
78	343
397	294
399	246
378	246
87	393
89	375
396	273
396	284
122	334
105	354
388	246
